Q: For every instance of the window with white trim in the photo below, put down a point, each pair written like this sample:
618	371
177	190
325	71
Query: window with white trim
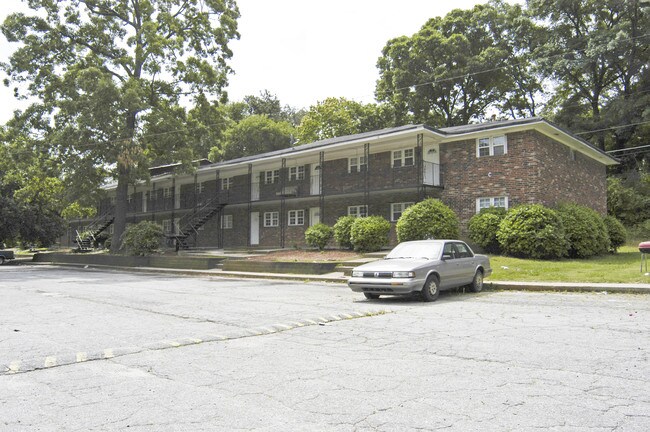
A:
487	202
357	164
296	217
167	226
226	183
297	173
271	219
358	211
226	221
491	146
402	158
200	188
167	192
396	210
271	176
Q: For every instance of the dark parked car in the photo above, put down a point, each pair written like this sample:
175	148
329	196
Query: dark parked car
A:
6	255
425	266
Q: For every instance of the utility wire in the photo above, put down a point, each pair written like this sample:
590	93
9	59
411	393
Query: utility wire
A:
209	126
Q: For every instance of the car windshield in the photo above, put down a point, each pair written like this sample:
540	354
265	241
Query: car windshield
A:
415	250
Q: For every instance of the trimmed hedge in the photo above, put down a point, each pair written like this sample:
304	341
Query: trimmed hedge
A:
428	219
616	232
142	238
532	231
369	234
342	229
318	235
483	228
584	230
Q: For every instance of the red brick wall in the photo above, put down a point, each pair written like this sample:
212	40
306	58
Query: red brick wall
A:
536	169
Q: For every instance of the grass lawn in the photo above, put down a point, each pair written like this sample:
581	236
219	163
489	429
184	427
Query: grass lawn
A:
622	267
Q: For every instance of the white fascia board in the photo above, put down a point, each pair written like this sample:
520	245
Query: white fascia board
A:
314	152
544	128
576	144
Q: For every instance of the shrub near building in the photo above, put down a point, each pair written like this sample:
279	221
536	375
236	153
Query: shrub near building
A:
342	229
428	219
532	231
584	230
616	232
142	238
483	228
318	235
369	234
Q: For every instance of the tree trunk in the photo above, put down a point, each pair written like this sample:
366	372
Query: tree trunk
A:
124	163
121	199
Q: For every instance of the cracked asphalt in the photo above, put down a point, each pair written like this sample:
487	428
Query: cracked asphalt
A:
90	350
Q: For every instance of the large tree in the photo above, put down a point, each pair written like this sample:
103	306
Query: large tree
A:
459	67
339	116
253	135
597	54
107	71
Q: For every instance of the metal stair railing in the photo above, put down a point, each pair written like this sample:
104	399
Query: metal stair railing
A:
96	227
191	222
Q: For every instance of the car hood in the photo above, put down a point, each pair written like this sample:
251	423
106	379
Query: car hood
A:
393	265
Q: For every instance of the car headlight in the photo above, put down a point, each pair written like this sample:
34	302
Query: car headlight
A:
403	274
357	274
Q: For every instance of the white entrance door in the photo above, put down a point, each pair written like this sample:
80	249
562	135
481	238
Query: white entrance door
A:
255	228
255	188
314	216
431	165
315	180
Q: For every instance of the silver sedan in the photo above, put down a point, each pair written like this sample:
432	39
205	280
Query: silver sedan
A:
425	266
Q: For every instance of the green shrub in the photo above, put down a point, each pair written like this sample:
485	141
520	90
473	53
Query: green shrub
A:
142	238
318	235
584	230
369	234
483	228
428	219
342	229
616	232
532	231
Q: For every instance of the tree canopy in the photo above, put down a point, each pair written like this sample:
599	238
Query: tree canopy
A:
253	135
108	72
596	54
458	67
339	116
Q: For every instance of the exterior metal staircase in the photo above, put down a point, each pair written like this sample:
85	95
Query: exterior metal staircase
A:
189	224
87	238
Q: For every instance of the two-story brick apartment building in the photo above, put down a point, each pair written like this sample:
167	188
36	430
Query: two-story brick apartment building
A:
269	200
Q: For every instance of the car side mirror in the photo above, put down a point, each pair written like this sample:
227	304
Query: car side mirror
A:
445	257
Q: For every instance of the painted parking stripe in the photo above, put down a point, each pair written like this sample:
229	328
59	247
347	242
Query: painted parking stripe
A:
108	353
173	343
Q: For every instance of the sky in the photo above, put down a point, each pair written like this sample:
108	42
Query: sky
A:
303	51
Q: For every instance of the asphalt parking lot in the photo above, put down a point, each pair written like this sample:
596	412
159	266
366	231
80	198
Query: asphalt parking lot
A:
84	349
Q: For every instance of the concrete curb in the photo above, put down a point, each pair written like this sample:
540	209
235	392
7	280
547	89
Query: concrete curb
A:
339	278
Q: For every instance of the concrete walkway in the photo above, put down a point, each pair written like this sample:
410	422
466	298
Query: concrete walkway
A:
340	278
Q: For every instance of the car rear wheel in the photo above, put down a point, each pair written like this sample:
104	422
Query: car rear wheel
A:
370	296
477	282
431	289
2	260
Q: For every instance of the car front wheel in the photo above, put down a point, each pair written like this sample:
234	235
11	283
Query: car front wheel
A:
477	282
431	289
2	260
370	296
